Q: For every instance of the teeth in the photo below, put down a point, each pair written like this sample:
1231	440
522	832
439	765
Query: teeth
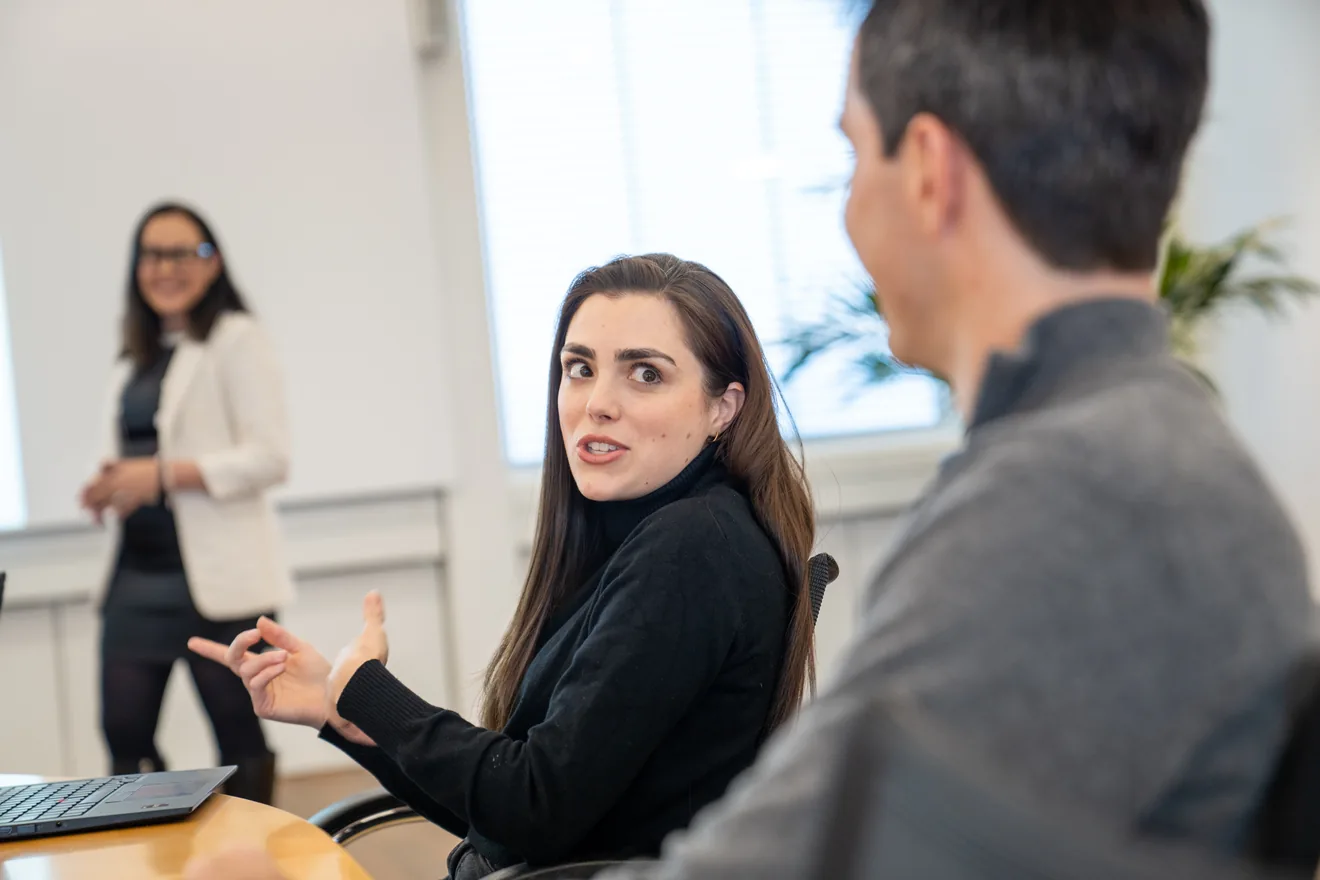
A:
600	448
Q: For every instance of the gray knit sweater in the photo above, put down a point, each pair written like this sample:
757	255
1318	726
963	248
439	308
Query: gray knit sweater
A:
1099	596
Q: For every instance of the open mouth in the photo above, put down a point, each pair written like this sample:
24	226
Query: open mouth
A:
600	450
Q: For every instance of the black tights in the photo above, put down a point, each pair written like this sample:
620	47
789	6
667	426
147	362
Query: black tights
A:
132	692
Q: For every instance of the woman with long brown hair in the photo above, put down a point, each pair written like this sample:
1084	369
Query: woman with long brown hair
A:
664	628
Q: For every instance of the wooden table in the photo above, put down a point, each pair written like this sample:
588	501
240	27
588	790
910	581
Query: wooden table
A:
302	850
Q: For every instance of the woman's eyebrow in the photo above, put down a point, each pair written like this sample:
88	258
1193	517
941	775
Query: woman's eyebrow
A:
642	354
579	349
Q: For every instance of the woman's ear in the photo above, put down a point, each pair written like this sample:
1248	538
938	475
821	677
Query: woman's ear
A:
727	406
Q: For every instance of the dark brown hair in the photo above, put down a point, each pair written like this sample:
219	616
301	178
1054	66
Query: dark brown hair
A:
141	330
565	548
1080	111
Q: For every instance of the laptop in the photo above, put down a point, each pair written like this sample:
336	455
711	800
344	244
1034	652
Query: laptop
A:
106	802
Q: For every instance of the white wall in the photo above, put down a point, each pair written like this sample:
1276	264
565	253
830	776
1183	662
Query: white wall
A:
13	505
1258	157
481	563
296	127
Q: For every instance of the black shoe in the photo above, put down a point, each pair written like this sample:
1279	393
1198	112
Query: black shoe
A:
254	780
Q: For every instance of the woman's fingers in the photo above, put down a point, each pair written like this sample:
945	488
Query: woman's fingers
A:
277	636
239	648
210	650
266	676
96	493
256	663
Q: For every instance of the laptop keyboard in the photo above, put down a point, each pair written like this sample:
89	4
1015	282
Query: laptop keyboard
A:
57	800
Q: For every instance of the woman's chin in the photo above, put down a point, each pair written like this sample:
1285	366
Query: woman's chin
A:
598	487
171	305
598	490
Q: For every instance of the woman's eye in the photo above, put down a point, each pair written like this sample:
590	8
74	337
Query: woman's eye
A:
646	374
578	370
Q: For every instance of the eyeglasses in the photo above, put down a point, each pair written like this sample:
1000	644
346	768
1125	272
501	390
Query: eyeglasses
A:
156	256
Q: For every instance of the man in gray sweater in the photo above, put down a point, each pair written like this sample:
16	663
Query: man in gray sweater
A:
1099	597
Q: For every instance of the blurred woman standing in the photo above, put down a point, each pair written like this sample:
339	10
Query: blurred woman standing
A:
196	437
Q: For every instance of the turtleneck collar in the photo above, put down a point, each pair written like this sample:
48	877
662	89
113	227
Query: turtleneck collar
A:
1080	339
619	518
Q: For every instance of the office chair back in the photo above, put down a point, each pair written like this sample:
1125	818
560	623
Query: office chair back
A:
1286	831
821	572
577	871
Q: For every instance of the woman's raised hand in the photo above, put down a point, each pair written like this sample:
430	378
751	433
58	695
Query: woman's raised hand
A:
288	683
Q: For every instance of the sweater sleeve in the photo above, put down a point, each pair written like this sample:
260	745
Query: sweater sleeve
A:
396	782
657	640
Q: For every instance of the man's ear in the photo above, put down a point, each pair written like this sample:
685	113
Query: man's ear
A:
934	171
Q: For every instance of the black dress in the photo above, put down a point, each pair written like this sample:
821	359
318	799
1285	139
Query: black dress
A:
148	610
148	617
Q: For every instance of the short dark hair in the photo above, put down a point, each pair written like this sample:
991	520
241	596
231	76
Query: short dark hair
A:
142	326
1080	111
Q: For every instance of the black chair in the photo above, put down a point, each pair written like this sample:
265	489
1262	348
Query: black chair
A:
373	810
578	871
1286	831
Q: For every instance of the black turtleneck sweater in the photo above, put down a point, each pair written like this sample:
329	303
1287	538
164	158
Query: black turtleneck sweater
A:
648	695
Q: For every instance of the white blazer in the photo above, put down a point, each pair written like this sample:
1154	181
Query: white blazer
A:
221	405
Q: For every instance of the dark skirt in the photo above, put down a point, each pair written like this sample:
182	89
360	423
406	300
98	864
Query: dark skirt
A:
150	615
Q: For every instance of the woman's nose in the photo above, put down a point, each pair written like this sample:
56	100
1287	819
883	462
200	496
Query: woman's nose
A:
603	404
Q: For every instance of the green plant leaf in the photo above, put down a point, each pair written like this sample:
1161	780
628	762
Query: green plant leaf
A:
849	320
880	367
1197	281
